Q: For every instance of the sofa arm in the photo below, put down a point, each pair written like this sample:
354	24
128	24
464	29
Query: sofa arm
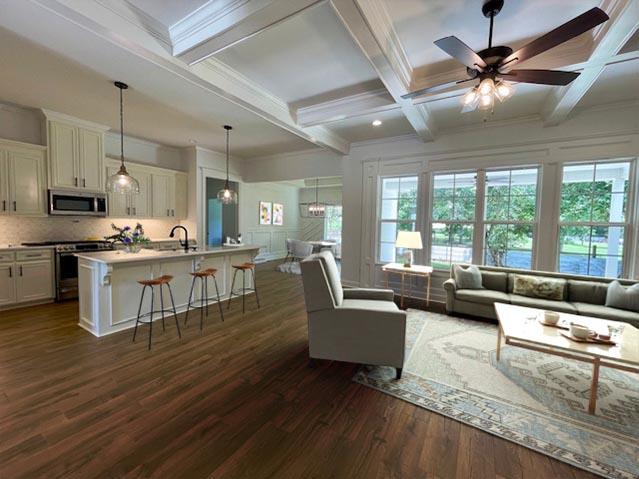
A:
368	293
450	287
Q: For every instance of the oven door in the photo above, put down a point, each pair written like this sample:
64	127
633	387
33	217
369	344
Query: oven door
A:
76	203
66	276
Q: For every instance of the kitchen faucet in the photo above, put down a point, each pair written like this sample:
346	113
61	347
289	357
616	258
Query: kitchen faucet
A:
184	243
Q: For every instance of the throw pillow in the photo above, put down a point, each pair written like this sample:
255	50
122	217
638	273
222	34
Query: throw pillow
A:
623	298
467	278
539	287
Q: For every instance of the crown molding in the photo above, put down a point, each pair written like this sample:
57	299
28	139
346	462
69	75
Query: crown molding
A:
138	18
206	15
54	115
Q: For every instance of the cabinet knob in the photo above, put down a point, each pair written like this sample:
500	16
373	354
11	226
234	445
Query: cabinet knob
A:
172	212
167	212
134	211
75	182
4	205
84	182
15	206
128	210
20	270
10	272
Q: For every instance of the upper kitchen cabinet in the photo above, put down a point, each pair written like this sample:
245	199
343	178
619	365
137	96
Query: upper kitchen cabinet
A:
76	152
22	179
169	194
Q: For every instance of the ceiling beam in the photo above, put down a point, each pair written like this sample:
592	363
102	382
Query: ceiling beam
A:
370	26
338	109
219	24
609	40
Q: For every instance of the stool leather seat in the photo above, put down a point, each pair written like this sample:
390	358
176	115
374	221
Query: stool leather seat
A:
165	279
244	266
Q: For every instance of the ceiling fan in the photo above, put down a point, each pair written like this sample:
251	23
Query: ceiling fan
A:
493	67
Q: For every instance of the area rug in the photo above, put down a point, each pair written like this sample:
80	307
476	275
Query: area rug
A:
537	400
290	267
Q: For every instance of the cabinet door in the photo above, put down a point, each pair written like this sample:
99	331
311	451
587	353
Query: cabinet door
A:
26	188
7	284
181	192
34	281
63	155
91	159
161	196
5	205
141	203
118	203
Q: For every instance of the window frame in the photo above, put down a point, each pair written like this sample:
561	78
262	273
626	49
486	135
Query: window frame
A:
380	220
627	224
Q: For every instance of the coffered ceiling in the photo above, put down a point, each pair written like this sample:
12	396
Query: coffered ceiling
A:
298	74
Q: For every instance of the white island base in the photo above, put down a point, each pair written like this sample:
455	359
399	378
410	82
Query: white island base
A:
110	294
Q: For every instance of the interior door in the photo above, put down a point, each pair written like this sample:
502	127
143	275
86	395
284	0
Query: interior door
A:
64	155
34	281
25	183
91	159
7	284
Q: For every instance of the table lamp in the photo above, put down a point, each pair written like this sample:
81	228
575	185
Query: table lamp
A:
409	240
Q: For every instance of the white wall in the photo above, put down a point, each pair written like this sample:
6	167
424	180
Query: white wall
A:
292	166
143	151
271	238
20	124
605	132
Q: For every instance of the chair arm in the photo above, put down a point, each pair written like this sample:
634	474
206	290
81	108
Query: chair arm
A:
450	285
368	293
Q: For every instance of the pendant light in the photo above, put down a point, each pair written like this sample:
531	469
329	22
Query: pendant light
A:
317	209
226	195
122	182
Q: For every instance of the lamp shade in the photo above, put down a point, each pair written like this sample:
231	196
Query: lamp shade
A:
409	240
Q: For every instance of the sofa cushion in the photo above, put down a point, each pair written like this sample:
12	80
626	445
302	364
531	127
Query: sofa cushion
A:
539	287
483	296
606	312
370	304
467	278
495	280
623	298
592	292
561	306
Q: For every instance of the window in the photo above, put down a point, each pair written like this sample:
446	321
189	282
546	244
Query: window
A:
593	219
510	210
398	212
333	223
453	218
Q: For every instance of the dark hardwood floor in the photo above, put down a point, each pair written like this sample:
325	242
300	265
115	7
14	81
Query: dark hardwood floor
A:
237	401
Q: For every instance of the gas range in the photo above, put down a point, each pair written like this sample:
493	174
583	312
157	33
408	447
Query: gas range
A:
72	246
66	264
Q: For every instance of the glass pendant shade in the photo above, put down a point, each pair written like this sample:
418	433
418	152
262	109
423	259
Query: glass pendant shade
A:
483	96
122	183
226	195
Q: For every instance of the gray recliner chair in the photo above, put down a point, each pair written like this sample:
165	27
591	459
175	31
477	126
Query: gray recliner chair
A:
353	325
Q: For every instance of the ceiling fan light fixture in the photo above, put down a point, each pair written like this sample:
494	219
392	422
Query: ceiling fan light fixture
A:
486	102
470	97
486	86
504	90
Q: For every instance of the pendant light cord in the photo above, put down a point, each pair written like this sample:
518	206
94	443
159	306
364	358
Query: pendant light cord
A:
227	157
121	129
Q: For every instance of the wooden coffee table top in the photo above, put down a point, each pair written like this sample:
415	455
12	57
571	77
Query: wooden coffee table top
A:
519	323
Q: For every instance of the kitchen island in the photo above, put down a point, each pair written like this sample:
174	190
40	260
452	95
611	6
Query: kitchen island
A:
108	281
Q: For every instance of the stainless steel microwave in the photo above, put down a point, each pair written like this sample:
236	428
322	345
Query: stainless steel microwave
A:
77	203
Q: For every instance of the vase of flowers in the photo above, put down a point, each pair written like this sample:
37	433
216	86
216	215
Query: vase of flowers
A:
132	238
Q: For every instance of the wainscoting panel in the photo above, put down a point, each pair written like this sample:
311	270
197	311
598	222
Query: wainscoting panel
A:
272	242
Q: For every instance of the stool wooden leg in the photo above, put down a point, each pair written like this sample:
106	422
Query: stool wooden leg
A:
151	319
217	293
257	298
137	320
202	298
206	292
243	289
231	292
162	307
188	306
177	323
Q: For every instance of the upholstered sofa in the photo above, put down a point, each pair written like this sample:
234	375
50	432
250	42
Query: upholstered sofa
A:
582	295
354	325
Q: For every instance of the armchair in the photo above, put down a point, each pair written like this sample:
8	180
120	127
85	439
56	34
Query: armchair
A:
353	325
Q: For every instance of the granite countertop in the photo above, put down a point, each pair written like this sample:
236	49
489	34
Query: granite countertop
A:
18	247
119	256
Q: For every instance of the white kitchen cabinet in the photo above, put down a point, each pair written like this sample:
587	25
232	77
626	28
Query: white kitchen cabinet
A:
129	205
76	152
7	284
22	179
33	281
180	197
163	195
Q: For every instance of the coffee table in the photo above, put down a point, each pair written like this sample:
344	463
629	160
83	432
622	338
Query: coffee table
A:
518	326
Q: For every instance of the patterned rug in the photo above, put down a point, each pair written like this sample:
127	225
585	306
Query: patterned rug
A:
537	400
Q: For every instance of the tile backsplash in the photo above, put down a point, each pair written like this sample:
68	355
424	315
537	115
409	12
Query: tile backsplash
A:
18	229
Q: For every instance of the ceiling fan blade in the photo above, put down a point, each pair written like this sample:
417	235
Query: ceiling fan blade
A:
434	89
559	35
462	52
542	77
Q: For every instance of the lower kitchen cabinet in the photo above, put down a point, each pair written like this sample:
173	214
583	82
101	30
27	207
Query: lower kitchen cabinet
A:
33	281
25	280
7	284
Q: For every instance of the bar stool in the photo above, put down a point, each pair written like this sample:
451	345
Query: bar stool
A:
244	267
151	283
203	302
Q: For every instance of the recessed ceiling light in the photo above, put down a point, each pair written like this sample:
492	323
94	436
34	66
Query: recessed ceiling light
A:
377	122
